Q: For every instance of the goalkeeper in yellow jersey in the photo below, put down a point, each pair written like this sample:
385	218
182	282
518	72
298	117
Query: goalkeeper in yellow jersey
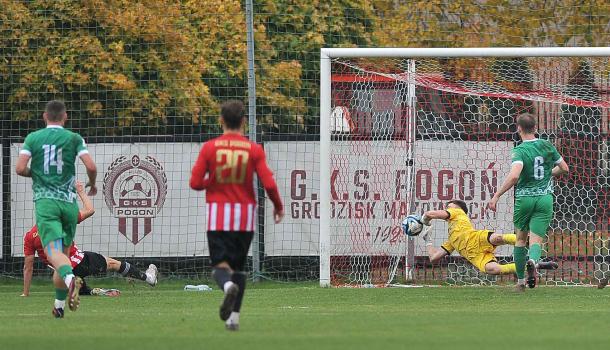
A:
476	246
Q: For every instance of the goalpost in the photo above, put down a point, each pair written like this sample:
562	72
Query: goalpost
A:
404	130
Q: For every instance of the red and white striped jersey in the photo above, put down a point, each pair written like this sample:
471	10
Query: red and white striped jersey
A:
32	244
225	169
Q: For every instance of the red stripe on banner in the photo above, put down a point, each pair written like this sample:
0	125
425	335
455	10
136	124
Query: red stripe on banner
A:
123	226
134	233
147	225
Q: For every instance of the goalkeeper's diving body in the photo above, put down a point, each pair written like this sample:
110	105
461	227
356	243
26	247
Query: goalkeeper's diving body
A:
476	246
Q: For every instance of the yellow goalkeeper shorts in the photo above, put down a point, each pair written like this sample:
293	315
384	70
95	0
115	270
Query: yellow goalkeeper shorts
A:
480	251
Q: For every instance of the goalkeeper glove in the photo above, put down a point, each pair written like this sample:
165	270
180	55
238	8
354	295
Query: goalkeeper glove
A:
426	220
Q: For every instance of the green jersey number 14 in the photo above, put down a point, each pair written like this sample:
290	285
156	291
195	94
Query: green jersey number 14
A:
52	157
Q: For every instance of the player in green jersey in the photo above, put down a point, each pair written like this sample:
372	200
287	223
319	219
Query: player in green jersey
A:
535	162
53	152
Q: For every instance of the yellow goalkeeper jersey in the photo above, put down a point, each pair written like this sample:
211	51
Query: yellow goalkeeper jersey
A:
462	236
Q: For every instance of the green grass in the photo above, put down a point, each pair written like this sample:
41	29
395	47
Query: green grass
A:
302	316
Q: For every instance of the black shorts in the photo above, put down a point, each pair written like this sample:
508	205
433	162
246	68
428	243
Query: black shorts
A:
92	264
229	246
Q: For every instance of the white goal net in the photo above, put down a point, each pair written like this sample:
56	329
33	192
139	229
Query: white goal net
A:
408	133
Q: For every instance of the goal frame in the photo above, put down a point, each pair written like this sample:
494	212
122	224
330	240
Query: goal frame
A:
326	56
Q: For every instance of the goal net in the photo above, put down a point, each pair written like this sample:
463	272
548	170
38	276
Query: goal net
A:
405	134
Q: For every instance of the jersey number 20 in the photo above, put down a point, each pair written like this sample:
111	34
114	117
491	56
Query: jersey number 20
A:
538	168
232	165
52	157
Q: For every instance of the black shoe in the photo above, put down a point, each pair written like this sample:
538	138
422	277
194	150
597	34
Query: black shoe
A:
58	313
530	266
547	265
602	283
227	303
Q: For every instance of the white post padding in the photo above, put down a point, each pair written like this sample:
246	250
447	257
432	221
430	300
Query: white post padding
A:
325	112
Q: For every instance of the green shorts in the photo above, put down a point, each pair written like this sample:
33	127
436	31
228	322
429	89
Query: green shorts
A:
533	214
56	220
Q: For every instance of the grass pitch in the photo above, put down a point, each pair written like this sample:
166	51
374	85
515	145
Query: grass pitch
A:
303	316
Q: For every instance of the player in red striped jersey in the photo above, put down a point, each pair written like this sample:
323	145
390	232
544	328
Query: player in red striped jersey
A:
225	169
84	263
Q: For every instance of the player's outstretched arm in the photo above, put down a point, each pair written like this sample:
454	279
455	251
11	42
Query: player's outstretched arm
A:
28	269
435	254
434	214
510	181
88	209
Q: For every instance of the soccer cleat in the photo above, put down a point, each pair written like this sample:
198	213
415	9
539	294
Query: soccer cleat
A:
151	275
229	300
602	283
547	265
520	288
73	295
530	266
232	326
58	313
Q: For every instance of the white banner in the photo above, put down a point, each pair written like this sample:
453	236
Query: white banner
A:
370	192
144	205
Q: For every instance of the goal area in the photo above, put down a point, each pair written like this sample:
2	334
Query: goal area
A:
403	131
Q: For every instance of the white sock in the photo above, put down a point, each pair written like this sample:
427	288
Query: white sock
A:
60	304
233	319
227	285
521	281
68	279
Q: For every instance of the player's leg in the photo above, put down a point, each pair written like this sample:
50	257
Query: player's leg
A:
494	268
128	270
521	220
541	217
222	247
69	220
482	255
243	241
498	239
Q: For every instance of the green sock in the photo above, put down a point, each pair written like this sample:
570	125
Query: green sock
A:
61	294
535	252
64	270
519	257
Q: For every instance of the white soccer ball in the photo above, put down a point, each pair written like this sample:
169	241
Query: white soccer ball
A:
412	225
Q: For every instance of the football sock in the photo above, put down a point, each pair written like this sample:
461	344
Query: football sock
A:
128	270
519	258
507	268
65	272
222	276
60	298
239	278
535	252
509	238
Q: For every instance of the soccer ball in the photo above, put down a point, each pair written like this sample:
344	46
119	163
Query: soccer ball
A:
412	225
